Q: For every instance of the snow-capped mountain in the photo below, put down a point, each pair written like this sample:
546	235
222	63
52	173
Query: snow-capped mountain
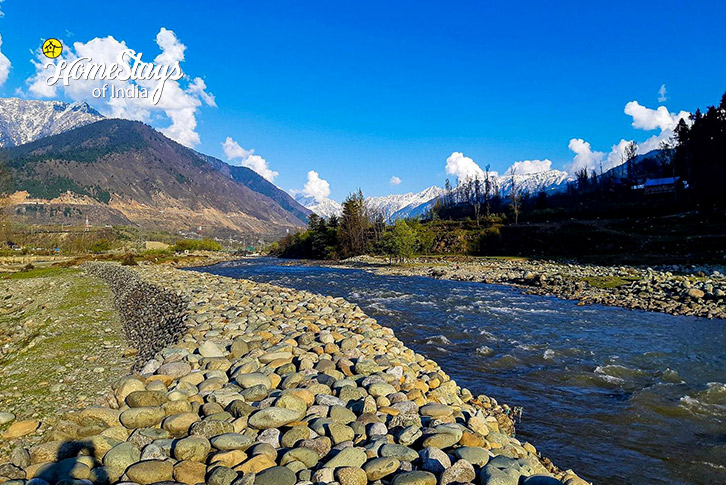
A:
326	208
26	120
389	206
532	183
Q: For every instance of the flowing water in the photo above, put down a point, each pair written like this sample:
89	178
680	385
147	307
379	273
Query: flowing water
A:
619	396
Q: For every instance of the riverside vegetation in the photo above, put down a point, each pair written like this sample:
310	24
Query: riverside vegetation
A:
273	386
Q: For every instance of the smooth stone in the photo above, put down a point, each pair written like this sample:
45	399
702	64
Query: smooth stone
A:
190	472
342	415
273	417
209	349
150	471
232	441
435	410
5	418
347	457
541	480
221	475
460	472
179	424
441	440
434	460
175	369
378	468
21	428
474	455
305	455
351	476
192	448
403	453
210	428
379	389
277	475
416	477
120	457
145	417
253	379
140	399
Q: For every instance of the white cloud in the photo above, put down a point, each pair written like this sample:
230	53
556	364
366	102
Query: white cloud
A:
650	119
463	167
644	118
530	166
316	187
2	14
248	159
179	102
395	180
662	94
585	156
4	64
233	150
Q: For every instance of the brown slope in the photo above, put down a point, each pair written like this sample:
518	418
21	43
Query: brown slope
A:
130	169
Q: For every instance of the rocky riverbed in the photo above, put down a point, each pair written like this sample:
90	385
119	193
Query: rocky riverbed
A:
274	386
695	294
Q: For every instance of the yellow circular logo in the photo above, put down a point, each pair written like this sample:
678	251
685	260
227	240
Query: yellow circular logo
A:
52	48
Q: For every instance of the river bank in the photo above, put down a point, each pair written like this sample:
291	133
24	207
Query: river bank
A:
695	294
275	386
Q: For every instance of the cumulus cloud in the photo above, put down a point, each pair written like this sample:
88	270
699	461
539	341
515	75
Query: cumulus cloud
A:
644	118
526	167
395	180
233	150
178	105
463	167
649	119
662	94
585	156
315	187
4	64
246	158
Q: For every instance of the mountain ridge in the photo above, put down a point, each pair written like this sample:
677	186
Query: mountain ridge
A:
131	172
26	120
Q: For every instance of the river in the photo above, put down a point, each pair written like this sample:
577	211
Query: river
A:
620	396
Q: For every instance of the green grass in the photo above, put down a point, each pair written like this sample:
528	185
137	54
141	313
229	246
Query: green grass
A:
607	282
39	273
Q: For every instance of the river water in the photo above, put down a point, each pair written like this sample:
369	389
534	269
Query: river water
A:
620	396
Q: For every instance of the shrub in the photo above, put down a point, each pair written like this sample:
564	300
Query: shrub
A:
128	260
197	245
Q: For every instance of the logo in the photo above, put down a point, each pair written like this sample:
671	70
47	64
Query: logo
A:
146	79
52	48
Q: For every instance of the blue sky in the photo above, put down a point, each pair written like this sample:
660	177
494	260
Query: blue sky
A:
363	91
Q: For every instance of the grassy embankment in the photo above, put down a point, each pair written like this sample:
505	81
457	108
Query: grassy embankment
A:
65	345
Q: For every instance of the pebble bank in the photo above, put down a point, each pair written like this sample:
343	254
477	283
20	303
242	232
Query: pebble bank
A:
246	383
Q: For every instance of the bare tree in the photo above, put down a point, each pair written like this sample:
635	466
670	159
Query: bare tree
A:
515	196
487	191
628	157
477	199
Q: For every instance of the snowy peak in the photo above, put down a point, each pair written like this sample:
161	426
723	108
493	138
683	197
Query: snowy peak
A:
26	120
326	208
532	183
391	205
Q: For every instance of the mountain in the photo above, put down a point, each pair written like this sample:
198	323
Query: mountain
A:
253	180
125	172
326	208
548	181
24	120
532	183
399	205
